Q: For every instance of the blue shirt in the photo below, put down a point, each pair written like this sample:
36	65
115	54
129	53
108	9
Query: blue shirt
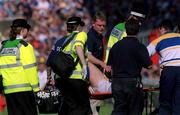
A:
95	44
55	49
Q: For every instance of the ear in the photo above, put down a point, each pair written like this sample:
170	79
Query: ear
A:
93	23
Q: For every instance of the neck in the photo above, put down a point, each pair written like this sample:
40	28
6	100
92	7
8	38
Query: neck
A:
132	36
19	37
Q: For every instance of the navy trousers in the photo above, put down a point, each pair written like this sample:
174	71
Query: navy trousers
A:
75	97
170	91
129	99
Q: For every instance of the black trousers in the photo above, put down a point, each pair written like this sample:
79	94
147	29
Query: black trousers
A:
75	97
128	98
21	103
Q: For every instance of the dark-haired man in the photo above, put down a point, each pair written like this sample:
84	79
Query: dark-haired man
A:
127	57
168	47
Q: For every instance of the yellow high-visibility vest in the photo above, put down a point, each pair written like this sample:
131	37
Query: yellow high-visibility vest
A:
79	40
117	33
18	67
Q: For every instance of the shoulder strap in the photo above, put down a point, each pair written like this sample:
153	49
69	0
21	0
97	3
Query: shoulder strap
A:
23	43
67	41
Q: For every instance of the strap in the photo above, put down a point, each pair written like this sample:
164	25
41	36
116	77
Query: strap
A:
67	41
23	42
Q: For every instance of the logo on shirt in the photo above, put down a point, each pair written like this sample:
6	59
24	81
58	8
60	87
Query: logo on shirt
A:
9	51
116	33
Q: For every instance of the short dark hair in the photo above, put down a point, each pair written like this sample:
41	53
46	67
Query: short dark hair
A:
167	24
99	15
132	26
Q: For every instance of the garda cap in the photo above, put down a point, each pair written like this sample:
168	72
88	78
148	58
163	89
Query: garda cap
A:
139	9
20	23
75	20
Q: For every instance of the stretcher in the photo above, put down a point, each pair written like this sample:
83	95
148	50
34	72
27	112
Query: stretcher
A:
101	95
148	92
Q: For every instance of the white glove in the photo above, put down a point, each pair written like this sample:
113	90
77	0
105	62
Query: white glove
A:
85	72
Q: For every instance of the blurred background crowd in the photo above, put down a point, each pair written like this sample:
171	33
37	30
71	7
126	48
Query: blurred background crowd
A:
48	16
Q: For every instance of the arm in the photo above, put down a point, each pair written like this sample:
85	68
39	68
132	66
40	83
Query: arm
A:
94	60
29	62
80	54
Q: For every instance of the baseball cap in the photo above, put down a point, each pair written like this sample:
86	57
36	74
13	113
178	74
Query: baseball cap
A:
20	23
75	20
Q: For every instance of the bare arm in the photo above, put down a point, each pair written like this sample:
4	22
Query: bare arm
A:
96	61
80	54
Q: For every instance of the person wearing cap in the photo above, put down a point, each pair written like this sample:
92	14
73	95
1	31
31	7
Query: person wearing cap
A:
75	89
126	66
19	70
119	32
168	48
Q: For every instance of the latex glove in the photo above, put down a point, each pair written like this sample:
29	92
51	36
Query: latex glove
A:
85	73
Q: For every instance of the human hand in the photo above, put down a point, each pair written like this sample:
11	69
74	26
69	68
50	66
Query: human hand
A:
91	90
85	72
108	68
105	67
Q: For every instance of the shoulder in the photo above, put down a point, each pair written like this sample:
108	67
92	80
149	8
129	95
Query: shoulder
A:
81	35
23	43
120	26
3	42
60	41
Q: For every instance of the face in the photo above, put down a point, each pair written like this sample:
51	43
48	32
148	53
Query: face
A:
161	30
24	32
99	25
41	67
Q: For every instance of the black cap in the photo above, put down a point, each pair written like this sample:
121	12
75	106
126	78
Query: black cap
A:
20	23
75	20
139	9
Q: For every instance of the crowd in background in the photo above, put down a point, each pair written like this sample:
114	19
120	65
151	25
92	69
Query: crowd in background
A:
48	16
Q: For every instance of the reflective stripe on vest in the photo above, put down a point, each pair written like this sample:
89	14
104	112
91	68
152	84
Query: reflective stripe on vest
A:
13	52
20	86
77	72
29	66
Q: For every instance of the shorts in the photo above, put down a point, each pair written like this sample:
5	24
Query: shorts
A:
104	86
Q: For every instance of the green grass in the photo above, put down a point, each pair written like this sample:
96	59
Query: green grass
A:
105	109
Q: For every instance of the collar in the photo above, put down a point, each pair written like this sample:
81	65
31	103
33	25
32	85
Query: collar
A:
132	38
19	37
96	33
